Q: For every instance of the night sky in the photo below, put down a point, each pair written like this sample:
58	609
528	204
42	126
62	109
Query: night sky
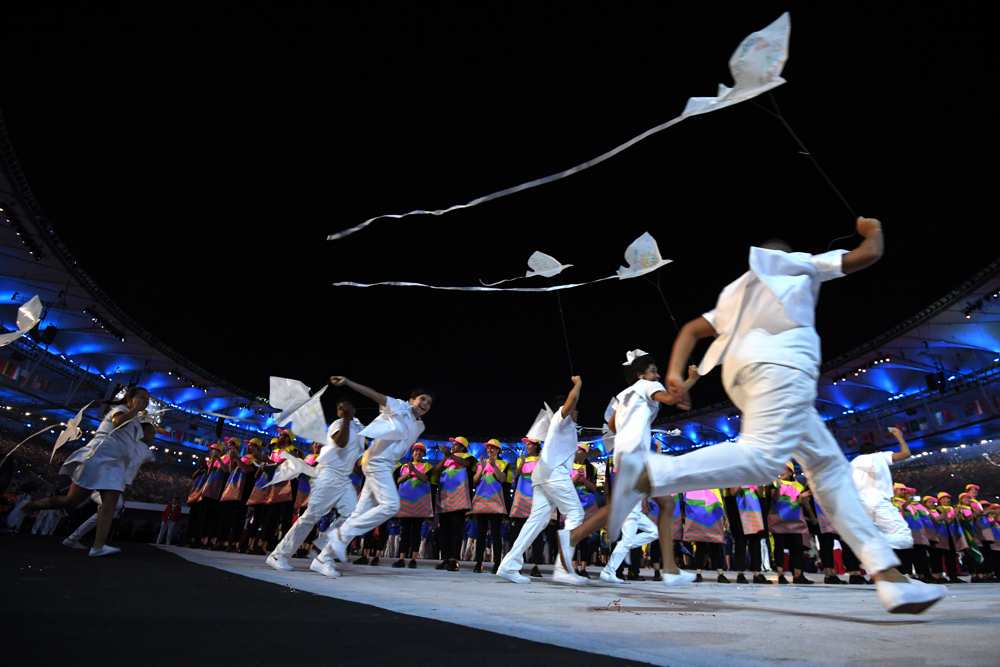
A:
194	159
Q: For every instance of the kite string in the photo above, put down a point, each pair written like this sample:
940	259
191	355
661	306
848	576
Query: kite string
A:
805	151
562	318
663	298
15	447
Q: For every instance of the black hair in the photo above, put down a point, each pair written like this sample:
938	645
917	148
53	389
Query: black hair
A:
130	391
638	367
420	391
868	448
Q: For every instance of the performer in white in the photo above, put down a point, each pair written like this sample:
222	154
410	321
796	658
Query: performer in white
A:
769	348
138	454
107	463
630	417
873	480
637	531
552	486
393	432
330	488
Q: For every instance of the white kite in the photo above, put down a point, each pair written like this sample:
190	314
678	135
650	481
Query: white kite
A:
28	317
71	432
297	406
539	264
755	66
642	256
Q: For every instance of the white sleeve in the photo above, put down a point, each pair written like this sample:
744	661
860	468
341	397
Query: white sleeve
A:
651	388
888	458
395	406
710	317
829	265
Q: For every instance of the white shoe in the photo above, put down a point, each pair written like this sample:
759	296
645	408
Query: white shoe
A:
624	497
106	550
325	568
910	598
513	577
610	577
682	578
73	544
279	562
561	576
565	548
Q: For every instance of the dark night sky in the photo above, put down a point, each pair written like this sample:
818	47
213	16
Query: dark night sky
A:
194	160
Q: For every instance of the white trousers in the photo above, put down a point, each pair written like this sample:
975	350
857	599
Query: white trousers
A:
378	502
889	521
559	493
638	530
326	491
779	422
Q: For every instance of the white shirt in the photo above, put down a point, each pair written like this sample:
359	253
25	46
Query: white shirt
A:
394	431
768	314
340	461
634	416
559	450
872	476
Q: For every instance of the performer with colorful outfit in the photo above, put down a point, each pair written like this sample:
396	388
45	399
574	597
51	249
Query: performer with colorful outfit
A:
705	525
786	522
415	503
239	484
454	473
489	504
746	524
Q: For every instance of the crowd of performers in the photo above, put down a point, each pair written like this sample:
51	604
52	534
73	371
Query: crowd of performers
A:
462	508
768	348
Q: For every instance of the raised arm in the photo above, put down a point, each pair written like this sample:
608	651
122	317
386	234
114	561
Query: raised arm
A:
573	397
870	250
904	448
341	381
688	337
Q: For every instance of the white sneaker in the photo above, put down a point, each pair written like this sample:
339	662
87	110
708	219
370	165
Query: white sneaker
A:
325	568
910	598
682	578
106	550
279	562
564	546
73	544
513	577
610	577
624	497
561	576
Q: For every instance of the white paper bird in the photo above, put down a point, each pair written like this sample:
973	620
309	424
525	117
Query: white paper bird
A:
756	67
28	316
642	256
71	432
